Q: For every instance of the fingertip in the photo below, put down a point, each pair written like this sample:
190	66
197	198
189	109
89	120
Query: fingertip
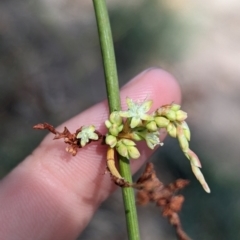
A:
165	85
153	83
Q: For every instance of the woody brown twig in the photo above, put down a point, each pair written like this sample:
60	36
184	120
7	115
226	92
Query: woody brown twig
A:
69	138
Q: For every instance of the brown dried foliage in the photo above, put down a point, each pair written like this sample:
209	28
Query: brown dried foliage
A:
69	138
151	189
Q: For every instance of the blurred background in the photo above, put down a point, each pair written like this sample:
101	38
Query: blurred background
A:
50	62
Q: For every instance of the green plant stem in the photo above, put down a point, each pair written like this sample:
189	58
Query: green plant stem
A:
111	79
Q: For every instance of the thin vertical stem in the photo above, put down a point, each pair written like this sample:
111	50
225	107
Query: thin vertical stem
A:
112	86
108	55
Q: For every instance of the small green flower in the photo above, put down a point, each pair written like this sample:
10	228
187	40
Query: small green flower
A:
152	139
86	134
137	112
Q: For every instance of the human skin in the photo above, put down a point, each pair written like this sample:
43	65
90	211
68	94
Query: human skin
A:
52	195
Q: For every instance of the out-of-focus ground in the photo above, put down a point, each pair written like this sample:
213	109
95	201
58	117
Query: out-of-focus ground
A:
50	64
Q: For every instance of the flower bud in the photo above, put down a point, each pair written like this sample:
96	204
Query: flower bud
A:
183	142
114	130
172	130
181	115
186	130
198	174
171	115
122	149
152	126
193	158
175	107
115	118
135	136
133	152
161	122
108	124
111	140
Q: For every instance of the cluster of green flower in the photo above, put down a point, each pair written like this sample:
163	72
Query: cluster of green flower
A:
136	124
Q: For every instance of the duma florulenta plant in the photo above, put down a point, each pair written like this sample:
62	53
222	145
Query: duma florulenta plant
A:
125	128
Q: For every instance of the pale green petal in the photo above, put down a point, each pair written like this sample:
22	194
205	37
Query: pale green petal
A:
135	122
125	114
128	142
83	142
130	103
93	136
146	105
